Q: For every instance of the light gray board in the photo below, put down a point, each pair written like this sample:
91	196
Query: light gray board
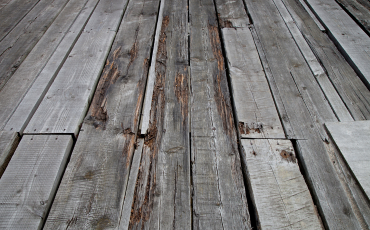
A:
30	181
331	95
92	191
15	47
12	13
25	101
279	191
231	14
351	89
353	142
359	10
219	200
3	3
255	108
8	143
162	198
66	103
353	41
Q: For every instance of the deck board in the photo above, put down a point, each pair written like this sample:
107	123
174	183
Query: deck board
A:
8	143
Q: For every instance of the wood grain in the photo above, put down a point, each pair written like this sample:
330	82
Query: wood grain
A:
359	10
8	143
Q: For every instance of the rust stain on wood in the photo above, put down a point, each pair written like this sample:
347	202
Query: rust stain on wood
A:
245	128
224	23
289	156
182	93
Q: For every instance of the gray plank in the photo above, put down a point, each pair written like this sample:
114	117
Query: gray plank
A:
353	141
8	143
92	192
66	102
231	14
352	40
255	108
43	63
30	181
162	198
3	3
359	10
15	47
313	16
278	189
219	200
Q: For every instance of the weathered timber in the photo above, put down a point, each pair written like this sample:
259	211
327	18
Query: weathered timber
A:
254	105
25	90
359	11
278	189
12	12
162	194
65	104
313	16
15	47
351	89
231	14
332	96
30	181
92	192
302	112
353	140
8	143
219	200
348	36
17	101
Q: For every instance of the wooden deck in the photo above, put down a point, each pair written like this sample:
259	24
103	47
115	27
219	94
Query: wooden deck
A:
184	114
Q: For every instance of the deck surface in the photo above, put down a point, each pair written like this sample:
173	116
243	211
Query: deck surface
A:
184	114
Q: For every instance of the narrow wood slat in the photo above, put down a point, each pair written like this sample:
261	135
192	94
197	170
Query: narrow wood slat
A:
219	200
279	191
92	192
30	181
162	198
76	12
15	47
312	15
65	104
8	143
353	41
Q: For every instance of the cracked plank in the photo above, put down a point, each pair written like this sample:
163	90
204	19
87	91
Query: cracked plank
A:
92	192
162	193
219	200
279	191
30	181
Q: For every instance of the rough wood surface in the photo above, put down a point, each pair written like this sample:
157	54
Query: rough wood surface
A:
8	143
359	11
162	195
65	104
29	183
279	192
17	100
77	12
15	47
92	191
219	200
231	14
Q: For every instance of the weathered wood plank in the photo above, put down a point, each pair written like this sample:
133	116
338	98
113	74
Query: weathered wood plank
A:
30	181
65	104
231	14
359	11
313	16
17	101
351	89
3	3
348	36
279	192
353	140
162	197
8	143
219	200
92	192
15	47
255	108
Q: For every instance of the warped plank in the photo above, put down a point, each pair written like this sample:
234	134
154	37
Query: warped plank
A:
31	179
353	140
92	192
255	108
17	101
219	200
359	10
162	198
351	89
12	12
15	47
279	191
8	143
348	36
66	102
302	113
